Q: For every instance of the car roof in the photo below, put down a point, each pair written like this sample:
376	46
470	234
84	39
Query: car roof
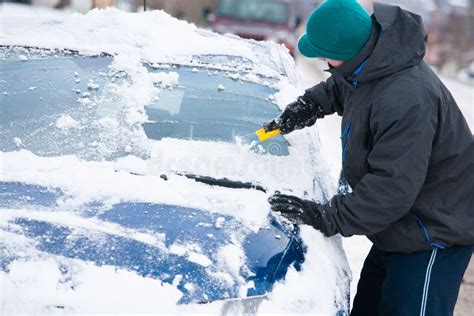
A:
146	35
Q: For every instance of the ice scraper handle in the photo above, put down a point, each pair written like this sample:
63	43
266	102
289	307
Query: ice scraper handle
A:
264	135
297	115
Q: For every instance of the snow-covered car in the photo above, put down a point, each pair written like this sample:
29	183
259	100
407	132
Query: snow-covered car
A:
130	177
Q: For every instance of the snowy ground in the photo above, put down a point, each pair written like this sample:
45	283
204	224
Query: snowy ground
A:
312	73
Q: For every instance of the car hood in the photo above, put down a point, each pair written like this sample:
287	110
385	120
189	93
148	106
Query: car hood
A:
205	256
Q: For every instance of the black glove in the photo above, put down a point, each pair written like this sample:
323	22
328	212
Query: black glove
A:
297	115
298	211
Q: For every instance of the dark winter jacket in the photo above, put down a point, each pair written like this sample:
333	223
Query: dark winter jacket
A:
408	153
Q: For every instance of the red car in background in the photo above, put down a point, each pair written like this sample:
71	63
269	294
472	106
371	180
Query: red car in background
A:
275	20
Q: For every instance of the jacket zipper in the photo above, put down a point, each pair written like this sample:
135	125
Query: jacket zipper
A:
427	235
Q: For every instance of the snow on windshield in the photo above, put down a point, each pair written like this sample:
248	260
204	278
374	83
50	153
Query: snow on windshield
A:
141	166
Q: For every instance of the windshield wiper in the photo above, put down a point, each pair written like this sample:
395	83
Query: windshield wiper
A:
223	182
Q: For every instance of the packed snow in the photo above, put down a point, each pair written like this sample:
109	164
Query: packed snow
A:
126	36
66	122
40	287
18	141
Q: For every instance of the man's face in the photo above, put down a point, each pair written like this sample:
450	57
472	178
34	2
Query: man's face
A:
332	62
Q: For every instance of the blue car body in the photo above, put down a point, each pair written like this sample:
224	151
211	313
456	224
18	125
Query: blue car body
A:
269	252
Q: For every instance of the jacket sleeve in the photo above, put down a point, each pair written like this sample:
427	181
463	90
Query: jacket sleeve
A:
398	163
327	96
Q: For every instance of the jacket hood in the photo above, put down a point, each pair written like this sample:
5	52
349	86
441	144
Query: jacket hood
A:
401	43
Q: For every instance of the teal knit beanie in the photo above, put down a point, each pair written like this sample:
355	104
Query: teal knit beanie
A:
337	29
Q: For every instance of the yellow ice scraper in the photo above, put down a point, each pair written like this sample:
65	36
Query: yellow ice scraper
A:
263	136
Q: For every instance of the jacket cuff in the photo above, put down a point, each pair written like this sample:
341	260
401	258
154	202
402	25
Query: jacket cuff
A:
329	227
314	105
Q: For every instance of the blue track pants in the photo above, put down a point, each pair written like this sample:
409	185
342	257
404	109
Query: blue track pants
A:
420	283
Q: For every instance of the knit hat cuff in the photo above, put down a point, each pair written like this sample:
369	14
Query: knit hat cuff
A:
308	49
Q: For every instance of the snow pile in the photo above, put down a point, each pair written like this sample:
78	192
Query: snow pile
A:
66	122
193	252
84	289
139	90
18	142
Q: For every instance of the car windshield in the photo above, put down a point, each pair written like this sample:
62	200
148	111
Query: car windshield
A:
59	103
258	10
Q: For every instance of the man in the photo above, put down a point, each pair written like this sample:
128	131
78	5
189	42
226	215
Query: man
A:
408	155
